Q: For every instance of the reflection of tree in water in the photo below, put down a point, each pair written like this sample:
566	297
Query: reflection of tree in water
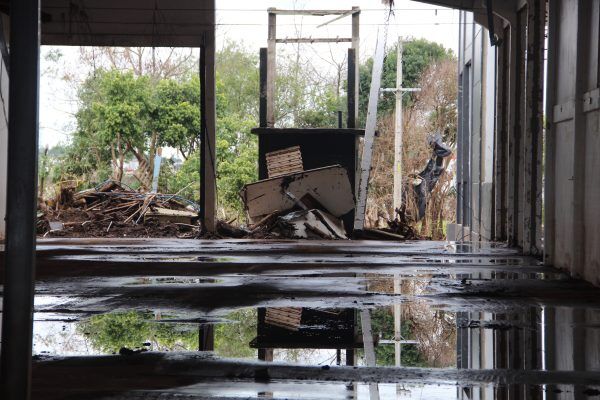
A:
110	332
232	338
434	330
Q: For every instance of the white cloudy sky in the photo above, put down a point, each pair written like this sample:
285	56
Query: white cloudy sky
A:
247	20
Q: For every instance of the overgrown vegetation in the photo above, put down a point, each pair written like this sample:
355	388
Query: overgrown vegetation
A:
134	101
431	68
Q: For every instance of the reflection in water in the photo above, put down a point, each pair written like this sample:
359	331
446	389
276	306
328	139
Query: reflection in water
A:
483	329
109	333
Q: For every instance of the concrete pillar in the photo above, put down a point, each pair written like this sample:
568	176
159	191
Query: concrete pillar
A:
3	144
19	274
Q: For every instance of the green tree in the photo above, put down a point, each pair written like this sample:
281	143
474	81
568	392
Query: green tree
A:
417	55
108	333
115	113
232	338
177	114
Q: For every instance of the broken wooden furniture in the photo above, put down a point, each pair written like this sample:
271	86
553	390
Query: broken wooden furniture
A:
320	147
283	162
317	329
327	189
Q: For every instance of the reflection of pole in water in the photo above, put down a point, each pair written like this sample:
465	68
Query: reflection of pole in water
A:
398	329
398	321
369	347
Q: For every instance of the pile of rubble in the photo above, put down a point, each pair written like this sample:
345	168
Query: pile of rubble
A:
301	205
305	204
112	209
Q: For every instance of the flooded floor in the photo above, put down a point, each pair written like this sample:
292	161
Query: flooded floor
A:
169	319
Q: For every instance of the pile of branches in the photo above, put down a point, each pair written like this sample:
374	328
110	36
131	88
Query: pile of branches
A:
113	209
118	202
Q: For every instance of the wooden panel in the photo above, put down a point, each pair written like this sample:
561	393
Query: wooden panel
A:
284	317
286	161
329	186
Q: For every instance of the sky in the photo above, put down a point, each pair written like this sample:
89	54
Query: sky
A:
239	20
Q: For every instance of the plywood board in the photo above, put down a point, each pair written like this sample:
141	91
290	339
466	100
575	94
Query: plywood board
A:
330	186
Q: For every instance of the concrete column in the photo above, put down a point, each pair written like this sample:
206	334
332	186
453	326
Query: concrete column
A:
3	144
21	201
208	155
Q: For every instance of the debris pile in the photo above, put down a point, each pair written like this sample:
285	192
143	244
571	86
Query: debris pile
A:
299	204
112	209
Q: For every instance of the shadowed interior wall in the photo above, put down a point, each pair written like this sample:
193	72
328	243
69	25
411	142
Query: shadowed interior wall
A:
3	142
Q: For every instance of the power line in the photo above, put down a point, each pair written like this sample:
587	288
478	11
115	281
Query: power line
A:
375	24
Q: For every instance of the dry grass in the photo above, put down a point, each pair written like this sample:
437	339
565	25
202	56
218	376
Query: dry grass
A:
432	110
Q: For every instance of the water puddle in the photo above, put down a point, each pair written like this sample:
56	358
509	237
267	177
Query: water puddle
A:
511	332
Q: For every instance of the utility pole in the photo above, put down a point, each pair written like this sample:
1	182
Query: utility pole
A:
398	133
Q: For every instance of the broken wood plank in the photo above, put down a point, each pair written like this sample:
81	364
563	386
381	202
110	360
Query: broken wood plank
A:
173	216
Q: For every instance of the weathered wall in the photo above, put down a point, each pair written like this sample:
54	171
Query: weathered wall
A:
572	190
475	141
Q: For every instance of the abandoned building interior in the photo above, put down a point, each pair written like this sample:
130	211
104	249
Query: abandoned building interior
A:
512	297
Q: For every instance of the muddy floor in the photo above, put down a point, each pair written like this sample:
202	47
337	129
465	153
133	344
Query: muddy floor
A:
243	319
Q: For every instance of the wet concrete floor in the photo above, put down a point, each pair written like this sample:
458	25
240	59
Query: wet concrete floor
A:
145	319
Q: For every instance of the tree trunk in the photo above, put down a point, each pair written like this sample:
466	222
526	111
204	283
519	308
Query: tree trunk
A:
121	161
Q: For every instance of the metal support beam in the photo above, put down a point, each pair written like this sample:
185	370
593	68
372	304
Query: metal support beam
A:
19	280
208	181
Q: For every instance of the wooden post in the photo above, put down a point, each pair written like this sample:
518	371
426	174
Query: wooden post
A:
351	89
398	134
355	69
263	101
208	156
271	68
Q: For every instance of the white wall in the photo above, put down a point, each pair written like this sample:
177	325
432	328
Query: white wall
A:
475	51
